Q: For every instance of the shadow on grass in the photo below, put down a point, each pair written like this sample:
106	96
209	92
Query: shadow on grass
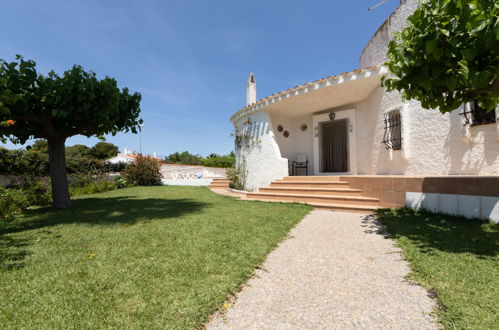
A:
12	252
99	211
103	211
430	231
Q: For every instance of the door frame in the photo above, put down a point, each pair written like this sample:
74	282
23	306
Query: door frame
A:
348	114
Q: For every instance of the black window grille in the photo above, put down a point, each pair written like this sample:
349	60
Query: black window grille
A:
392	138
476	115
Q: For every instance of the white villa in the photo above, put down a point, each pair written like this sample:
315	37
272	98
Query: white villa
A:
347	128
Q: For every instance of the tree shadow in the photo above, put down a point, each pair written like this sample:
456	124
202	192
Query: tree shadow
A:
434	231
12	252
104	211
98	211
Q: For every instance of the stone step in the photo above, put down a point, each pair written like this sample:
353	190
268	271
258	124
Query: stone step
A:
340	199
311	178
220	180
220	185
309	184
313	191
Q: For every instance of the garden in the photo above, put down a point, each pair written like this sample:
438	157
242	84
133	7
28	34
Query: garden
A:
29	186
139	257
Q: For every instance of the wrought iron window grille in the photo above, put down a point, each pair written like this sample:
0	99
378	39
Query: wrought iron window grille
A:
392	137
473	114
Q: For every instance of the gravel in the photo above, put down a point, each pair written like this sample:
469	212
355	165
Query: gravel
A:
337	270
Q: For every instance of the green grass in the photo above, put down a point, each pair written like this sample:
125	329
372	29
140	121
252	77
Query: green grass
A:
457	259
143	257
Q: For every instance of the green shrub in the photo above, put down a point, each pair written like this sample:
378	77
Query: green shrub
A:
12	201
235	176
120	182
143	171
38	191
93	188
214	160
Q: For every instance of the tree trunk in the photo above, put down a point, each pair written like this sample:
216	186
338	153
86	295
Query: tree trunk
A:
57	161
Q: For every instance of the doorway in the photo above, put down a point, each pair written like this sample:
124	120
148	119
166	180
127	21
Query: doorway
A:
333	146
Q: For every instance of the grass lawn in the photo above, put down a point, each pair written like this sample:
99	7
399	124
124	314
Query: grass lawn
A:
457	259
143	257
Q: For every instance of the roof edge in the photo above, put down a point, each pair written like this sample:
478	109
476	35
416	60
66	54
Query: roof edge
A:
307	87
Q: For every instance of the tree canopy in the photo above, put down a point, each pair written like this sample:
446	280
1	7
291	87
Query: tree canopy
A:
448	54
104	150
62	106
55	107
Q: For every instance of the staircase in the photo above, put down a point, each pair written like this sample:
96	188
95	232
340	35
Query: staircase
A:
326	192
219	183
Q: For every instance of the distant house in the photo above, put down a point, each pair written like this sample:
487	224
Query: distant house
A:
348	125
128	156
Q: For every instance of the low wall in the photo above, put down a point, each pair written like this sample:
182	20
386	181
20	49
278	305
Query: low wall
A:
469	196
186	182
170	171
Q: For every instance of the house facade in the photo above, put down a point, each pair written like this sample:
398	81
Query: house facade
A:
349	125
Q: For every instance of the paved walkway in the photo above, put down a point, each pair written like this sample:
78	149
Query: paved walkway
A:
336	271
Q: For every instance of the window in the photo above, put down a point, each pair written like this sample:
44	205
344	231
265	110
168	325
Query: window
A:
476	115
392	138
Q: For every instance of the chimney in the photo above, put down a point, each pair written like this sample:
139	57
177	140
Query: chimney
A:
251	89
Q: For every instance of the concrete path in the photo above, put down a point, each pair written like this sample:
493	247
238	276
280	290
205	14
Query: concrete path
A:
336	271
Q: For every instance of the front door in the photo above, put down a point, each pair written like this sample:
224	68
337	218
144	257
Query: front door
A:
334	146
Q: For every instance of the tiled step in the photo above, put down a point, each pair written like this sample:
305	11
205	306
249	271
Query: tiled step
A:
340	199
313	191
310	184
357	208
311	178
219	183
345	207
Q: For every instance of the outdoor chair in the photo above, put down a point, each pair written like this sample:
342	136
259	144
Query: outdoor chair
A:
301	162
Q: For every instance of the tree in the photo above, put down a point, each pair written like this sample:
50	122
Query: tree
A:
104	150
448	55
78	151
184	158
40	145
54	107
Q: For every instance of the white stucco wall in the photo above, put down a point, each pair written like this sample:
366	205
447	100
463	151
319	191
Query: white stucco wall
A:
261	159
298	141
374	52
432	143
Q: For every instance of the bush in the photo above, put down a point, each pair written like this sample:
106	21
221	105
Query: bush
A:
93	188
12	201
143	171
225	161
235	177
120	182
38	191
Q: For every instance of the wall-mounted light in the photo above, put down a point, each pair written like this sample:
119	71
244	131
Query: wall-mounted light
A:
332	115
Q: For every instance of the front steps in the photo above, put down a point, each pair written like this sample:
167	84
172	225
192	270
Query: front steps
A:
219	183
326	192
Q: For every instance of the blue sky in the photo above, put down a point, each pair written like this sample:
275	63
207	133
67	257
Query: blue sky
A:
190	59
